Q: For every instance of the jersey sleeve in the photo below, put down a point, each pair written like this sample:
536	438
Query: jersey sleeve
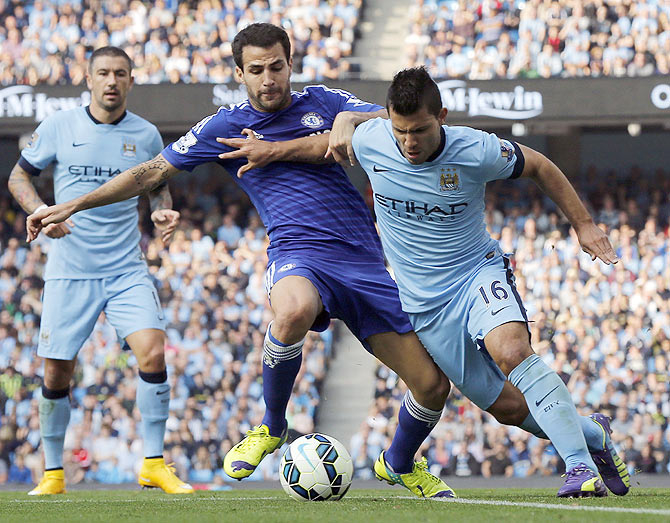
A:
199	145
156	143
338	100
41	150
500	158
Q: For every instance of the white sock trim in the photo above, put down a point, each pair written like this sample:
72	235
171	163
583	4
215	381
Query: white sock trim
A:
420	412
274	353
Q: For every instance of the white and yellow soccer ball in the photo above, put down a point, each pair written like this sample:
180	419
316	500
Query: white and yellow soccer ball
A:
316	467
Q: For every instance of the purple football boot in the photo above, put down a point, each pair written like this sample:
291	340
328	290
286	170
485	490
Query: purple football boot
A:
610	466
582	482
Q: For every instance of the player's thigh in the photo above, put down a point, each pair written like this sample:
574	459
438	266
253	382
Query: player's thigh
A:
406	355
132	303
469	367
496	314
294	298
70	309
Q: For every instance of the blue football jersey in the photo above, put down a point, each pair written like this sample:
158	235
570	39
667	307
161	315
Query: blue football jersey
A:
303	206
86	154
431	215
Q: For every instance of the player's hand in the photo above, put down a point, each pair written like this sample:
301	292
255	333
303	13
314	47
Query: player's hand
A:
339	140
46	216
595	242
58	230
166	221
257	152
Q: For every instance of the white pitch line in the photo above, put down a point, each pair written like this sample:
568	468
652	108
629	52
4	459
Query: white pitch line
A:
551	506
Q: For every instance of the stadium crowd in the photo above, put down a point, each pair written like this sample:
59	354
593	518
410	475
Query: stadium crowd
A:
169	41
211	285
604	329
485	39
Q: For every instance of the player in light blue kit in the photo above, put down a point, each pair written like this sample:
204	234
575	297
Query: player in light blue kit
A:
428	181
325	257
95	263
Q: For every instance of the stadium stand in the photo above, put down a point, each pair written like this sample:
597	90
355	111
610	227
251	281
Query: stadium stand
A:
211	283
170	41
604	329
485	39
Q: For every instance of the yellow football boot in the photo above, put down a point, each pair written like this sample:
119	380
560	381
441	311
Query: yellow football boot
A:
155	473
243	458
53	482
419	482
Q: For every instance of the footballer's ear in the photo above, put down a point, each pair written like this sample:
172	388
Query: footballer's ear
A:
442	115
239	74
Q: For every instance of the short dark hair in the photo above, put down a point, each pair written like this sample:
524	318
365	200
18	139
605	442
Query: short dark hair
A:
260	35
110	51
412	89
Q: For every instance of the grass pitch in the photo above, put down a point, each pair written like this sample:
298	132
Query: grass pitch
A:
473	505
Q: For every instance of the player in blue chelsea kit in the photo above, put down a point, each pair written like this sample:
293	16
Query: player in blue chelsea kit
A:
325	258
428	181
94	262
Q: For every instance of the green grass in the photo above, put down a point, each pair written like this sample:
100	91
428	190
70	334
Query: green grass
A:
259	506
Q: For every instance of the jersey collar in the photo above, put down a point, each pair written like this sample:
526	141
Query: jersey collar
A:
98	122
438	151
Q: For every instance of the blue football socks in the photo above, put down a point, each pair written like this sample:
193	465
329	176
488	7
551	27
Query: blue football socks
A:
414	424
153	402
54	409
281	364
551	406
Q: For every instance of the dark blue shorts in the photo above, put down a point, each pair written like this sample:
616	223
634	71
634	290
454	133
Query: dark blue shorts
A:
360	292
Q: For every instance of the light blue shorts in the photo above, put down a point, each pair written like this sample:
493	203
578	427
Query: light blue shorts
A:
454	333
70	309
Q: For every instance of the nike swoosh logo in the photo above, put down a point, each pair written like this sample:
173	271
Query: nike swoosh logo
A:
374	168
301	449
493	313
79	144
160	392
537	403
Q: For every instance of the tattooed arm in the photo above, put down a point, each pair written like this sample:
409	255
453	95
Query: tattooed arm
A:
135	181
160	198
22	188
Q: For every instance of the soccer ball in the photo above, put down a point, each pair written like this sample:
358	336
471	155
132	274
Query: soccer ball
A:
316	467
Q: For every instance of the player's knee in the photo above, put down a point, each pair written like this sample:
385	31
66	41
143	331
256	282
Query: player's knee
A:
515	350
57	377
514	417
152	359
293	320
432	389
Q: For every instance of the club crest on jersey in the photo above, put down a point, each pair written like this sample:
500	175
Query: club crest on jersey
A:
448	179
506	150
128	148
312	120
286	267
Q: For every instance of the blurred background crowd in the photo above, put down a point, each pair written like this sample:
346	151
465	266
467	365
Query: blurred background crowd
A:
485	39
606	330
174	41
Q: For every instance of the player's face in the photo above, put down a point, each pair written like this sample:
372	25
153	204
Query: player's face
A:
109	80
418	134
267	76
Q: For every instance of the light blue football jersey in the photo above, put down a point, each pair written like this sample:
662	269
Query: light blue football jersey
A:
431	216
86	154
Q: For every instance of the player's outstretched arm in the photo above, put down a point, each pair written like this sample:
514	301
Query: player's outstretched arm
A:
165	219
553	182
22	188
137	180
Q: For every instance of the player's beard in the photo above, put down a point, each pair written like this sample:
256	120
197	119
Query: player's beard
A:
274	105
